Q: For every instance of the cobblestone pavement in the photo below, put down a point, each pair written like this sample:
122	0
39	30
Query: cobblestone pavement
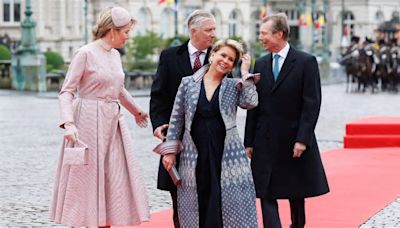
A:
30	143
388	217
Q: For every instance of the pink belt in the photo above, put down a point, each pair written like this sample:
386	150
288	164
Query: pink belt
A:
107	99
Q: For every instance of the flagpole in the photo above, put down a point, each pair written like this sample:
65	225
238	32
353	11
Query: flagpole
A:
176	41
313	29
176	17
300	9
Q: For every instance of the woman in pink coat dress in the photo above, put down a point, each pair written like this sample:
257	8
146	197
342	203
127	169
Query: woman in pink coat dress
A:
109	189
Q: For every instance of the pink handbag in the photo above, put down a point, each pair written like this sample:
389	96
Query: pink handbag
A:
77	155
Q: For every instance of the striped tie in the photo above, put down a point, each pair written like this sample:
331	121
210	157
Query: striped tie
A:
197	63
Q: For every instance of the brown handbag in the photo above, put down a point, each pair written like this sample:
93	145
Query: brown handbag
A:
76	155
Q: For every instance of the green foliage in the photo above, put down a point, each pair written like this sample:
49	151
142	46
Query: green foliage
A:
256	49
5	54
141	50
182	38
54	61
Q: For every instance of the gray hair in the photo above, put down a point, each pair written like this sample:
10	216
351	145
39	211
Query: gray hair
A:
279	24
198	16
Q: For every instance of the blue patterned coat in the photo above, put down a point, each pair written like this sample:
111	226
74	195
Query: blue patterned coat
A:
237	187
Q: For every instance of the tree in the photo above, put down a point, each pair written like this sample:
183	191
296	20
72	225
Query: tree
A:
142	50
54	61
5	53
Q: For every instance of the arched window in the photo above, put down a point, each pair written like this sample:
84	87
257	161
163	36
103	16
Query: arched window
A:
348	21
395	17
379	17
218	22
167	23
144	21
234	23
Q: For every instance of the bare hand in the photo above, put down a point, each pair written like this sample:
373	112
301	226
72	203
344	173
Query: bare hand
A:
142	119
246	61
168	161
158	132
71	133
249	152
298	149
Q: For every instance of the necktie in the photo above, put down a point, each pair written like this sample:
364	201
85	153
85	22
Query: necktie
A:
197	63
276	66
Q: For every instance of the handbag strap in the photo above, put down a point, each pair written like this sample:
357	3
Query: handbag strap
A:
81	143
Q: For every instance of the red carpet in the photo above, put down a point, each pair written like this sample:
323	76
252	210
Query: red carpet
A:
362	182
376	131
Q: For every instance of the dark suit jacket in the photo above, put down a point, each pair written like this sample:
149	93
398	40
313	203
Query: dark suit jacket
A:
287	112
173	65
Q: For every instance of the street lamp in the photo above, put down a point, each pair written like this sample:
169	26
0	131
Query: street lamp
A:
313	30
176	41
300	9
85	11
326	49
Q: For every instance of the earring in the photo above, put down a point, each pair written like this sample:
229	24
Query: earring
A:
210	59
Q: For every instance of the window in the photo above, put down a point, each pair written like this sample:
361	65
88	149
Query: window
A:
218	21
167	23
144	19
6	13
11	10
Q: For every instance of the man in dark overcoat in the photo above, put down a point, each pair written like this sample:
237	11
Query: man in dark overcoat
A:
279	133
174	64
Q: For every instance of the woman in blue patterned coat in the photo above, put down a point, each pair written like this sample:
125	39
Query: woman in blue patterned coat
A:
217	187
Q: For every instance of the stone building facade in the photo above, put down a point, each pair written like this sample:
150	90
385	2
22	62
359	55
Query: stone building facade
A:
61	23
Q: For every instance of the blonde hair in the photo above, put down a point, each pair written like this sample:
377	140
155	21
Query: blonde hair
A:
104	24
235	45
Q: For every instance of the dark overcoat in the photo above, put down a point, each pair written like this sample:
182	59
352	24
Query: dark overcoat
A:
288	111
174	64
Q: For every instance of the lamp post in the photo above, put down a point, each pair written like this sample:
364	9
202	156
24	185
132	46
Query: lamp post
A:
313	30
300	9
176	41
28	64
326	49
85	11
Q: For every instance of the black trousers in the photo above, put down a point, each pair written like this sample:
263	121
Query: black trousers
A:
271	218
174	197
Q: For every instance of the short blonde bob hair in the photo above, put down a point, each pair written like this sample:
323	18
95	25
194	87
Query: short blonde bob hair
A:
235	45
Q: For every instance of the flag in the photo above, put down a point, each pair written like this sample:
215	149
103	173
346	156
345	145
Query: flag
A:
309	20
169	2
302	21
321	20
263	12
166	1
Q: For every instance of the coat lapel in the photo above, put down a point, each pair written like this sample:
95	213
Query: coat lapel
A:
286	68
183	60
194	93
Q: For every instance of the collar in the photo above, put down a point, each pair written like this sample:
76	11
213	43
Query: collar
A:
192	49
200	73
283	52
104	44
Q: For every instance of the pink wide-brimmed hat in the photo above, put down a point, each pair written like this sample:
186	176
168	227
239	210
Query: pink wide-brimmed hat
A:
120	16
